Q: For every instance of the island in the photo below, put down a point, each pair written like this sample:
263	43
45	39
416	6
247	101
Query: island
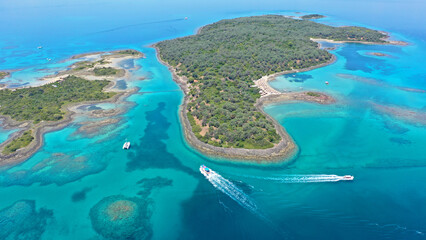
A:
224	71
3	74
52	102
312	16
378	54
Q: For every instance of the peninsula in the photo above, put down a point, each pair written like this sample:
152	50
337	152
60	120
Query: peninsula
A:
49	104
3	74
224	71
312	16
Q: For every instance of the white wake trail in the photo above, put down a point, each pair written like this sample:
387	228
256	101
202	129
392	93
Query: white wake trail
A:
309	178
233	192
236	194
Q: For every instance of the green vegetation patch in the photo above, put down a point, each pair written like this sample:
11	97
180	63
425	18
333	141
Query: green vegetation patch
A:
3	74
83	65
223	60
44	103
105	71
18	143
313	94
312	16
129	52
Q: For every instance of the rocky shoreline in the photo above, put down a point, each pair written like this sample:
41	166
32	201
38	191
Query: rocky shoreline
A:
71	112
282	151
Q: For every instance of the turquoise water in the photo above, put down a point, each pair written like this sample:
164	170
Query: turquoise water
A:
57	193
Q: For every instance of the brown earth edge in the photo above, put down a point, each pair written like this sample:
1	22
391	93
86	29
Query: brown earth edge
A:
46	127
282	151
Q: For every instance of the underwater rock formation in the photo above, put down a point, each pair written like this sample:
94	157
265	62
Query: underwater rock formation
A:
121	217
21	220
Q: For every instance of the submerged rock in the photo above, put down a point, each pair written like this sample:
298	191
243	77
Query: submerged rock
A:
21	220
120	217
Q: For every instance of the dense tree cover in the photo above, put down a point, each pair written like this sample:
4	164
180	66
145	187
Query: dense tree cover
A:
129	52
18	143
44	103
223	60
312	16
105	71
313	94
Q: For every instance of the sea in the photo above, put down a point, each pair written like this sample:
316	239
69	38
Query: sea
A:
85	186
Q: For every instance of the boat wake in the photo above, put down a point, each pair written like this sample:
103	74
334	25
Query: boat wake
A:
236	194
310	178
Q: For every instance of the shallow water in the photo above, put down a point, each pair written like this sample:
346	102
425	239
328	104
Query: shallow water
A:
72	173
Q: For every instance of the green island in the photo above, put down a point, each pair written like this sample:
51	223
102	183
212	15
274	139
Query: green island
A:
129	52
19	142
37	109
312	16
3	74
221	62
44	103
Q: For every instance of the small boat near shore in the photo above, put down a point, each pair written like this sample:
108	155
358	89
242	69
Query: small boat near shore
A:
126	145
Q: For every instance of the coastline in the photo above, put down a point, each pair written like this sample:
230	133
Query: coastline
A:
282	151
70	113
386	39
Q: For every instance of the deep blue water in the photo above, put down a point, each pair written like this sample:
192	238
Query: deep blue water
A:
68	188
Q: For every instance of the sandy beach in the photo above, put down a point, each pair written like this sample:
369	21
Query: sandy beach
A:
385	39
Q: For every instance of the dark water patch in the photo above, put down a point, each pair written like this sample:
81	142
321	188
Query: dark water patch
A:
401	141
148	184
89	107
395	128
127	64
246	188
80	195
298	77
21	220
58	168
121	85
93	107
355	61
211	211
152	152
121	217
